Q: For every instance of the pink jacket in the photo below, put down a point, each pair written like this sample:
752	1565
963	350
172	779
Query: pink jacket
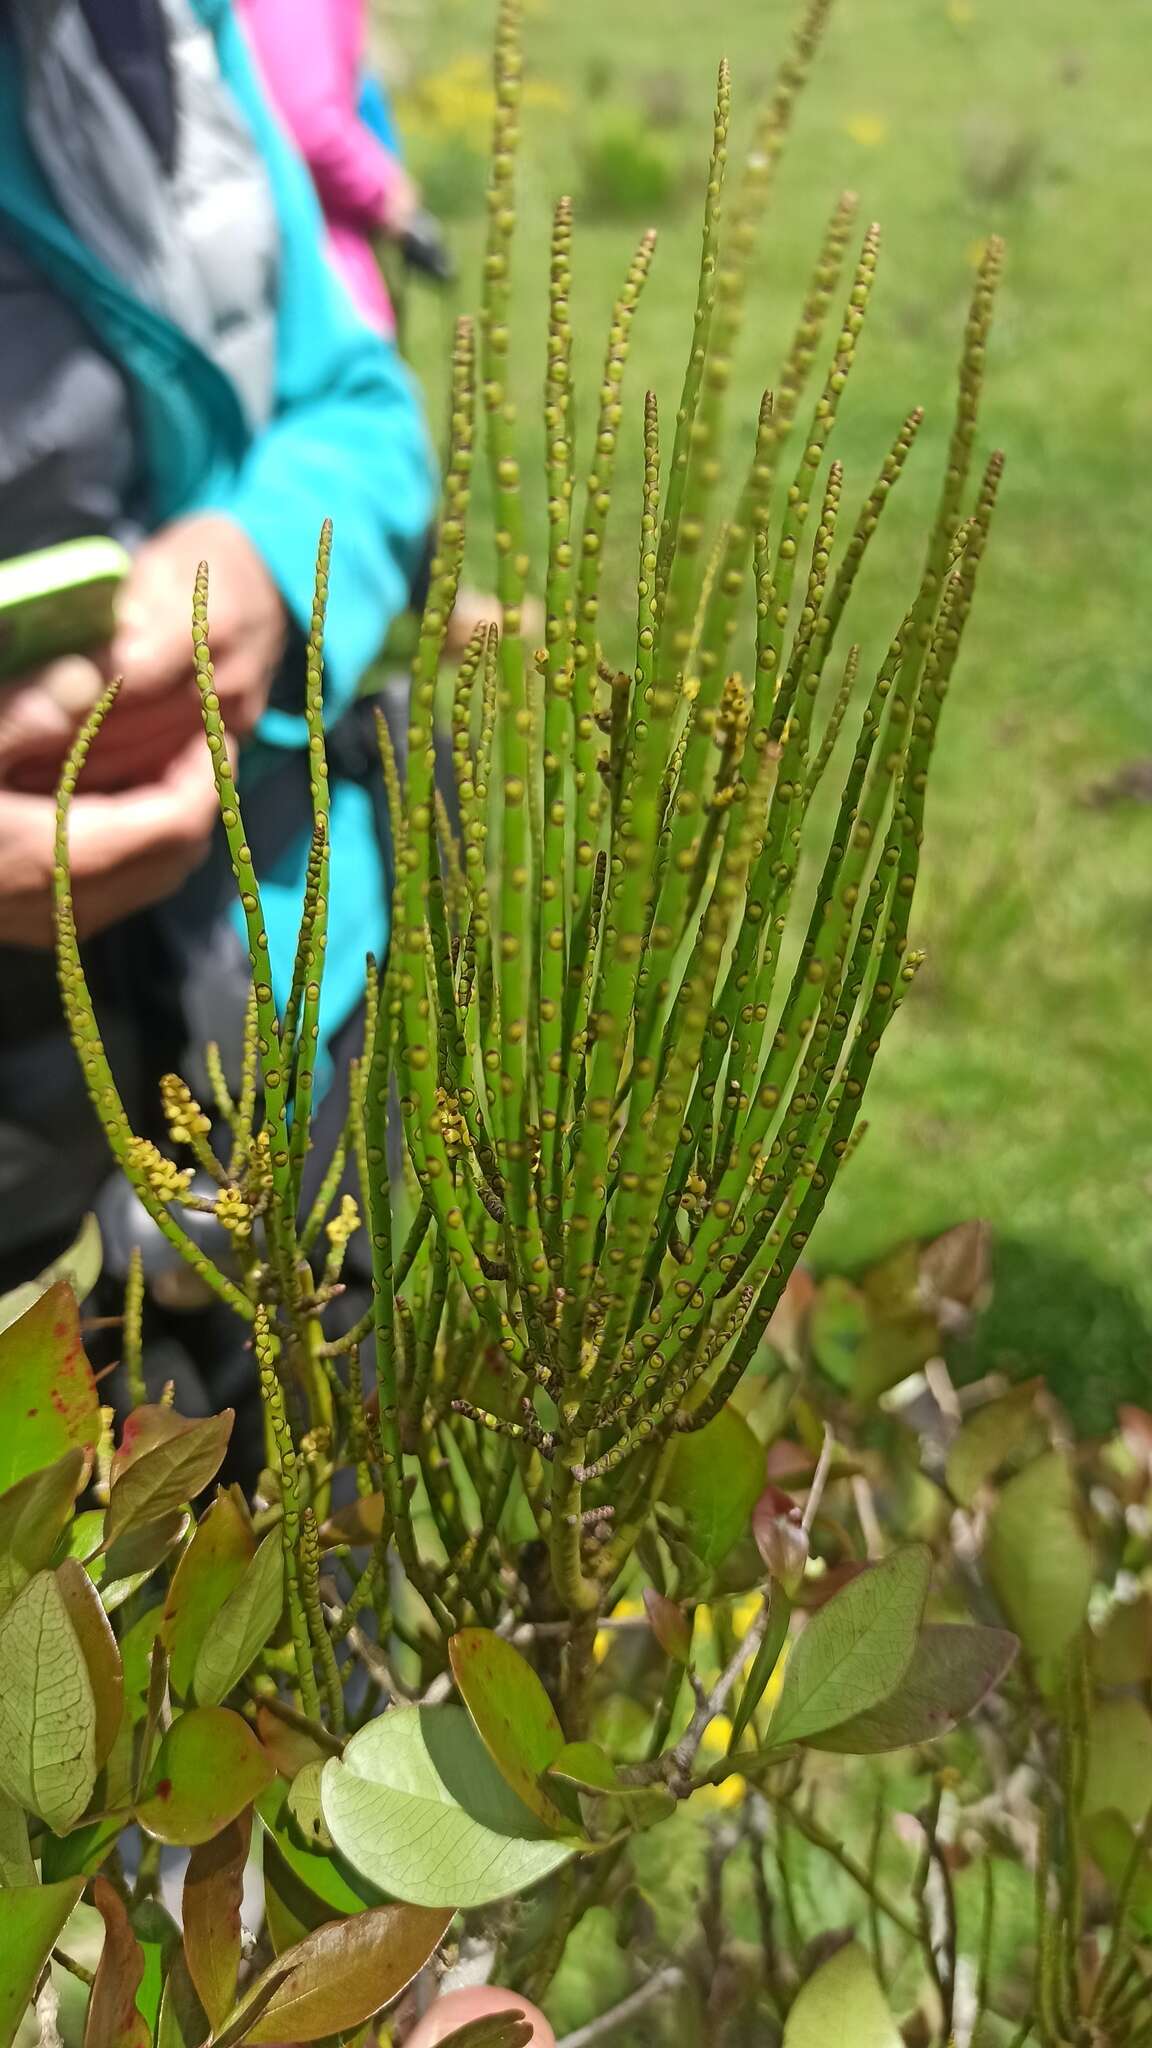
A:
310	54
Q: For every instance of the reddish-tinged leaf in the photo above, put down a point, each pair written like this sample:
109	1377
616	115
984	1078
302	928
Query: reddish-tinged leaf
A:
513	1717
780	1537
208	1769
213	1889
670	1626
289	1748
787	1329
183	2020
212	1565
48	1398
32	1919
953	1668
343	1973
98	1646
168	1474
114	2019
956	1271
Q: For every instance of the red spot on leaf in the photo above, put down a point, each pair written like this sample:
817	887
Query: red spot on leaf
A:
164	1789
30	1412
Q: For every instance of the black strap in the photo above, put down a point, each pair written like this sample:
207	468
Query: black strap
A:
131	38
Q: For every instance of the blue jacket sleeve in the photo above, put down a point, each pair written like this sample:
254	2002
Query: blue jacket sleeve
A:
347	440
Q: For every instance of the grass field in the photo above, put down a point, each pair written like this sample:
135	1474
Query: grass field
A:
1018	1082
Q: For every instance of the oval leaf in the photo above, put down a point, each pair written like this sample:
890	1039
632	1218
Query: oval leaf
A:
215	1561
48	1398
32	1515
992	1437
512	1714
170	1474
715	1478
31	1922
418	1807
114	2019
208	1769
93	1632
842	2006
953	1668
243	1625
1119	1759
48	1712
344	1972
855	1649
213	1889
1038	1558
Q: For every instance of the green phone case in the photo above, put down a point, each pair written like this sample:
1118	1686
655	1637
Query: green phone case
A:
58	600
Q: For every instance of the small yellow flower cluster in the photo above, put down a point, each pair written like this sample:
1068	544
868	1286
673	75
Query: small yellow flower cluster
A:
458	100
234	1211
184	1115
343	1226
166	1180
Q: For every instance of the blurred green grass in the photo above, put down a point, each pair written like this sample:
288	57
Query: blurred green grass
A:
1018	1082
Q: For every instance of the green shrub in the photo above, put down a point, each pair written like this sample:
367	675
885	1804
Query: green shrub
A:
626	174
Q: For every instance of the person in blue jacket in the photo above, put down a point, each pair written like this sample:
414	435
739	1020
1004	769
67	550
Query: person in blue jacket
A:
182	370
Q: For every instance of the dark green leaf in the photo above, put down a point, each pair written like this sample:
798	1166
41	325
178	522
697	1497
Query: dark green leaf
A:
114	2019
168	1475
212	1566
213	1889
953	1667
32	1514
48	1715
48	1398
237	1634
183	2020
855	1649
842	2006
418	1807
159	1939
513	1716
342	1974
715	1478
1038	1557
322	1883
32	1919
208	1769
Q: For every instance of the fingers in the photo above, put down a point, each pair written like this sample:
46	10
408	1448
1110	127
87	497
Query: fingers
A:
40	711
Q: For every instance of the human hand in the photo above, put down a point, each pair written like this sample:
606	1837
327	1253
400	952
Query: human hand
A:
41	711
460	2007
152	646
125	851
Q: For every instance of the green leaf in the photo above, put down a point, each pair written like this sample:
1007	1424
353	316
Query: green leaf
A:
305	1808
48	1398
208	1769
169	1474
80	1266
32	1920
243	1625
159	1939
16	1865
340	1975
114	2019
993	1436
609	1804
183	2020
1038	1558
512	1715
1111	1842
869	1338
1119	1759
418	1807
213	1889
715	1478
494	2030
313	1884
953	1668
48	1714
838	1329
93	1632
855	1649
212	1566
32	1514
842	2006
